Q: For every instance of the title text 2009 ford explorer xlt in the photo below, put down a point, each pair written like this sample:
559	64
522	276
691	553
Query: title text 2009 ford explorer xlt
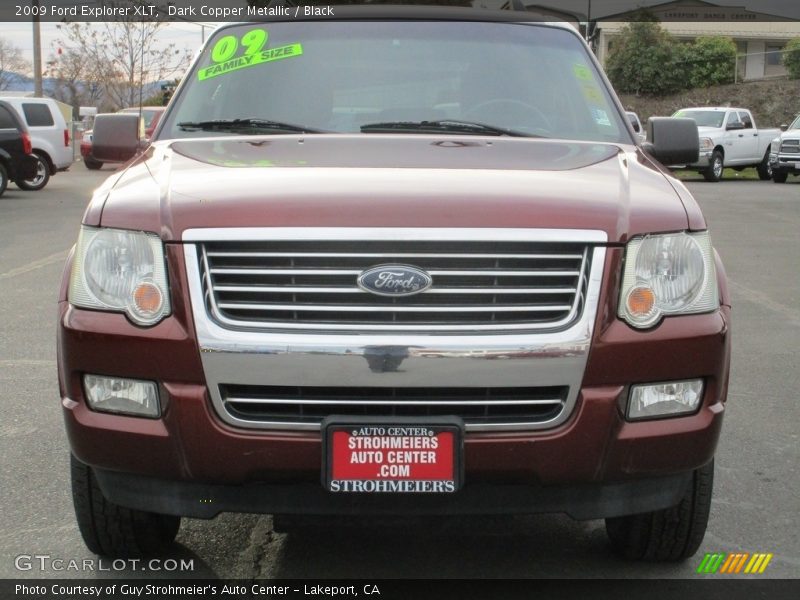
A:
394	267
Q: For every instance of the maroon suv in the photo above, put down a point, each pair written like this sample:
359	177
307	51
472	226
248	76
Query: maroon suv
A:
394	267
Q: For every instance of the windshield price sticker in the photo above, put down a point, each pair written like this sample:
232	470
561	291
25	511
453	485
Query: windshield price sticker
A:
224	59
394	459
582	72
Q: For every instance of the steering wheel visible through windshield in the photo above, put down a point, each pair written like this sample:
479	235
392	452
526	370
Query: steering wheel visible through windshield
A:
461	78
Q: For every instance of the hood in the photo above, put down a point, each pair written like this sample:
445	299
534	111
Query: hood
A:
705	131
390	181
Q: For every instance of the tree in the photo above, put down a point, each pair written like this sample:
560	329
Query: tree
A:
11	63
646	59
125	56
791	58
711	61
74	81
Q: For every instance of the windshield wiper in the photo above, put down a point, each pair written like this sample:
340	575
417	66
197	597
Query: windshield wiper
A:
442	126
245	126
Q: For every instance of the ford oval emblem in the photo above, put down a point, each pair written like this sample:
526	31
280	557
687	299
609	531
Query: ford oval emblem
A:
394	280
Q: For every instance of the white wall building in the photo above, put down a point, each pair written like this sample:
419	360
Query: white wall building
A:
759	37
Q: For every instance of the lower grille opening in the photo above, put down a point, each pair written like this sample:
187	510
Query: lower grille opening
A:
307	406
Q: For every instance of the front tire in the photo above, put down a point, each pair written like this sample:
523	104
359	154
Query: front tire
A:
780	176
92	164
716	166
3	179
764	168
671	534
40	180
112	530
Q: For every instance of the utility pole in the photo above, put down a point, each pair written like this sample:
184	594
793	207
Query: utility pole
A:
37	52
589	22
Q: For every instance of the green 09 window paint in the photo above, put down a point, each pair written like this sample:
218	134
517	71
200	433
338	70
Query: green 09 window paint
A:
224	51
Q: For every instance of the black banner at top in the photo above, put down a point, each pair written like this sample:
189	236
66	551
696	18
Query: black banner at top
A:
579	11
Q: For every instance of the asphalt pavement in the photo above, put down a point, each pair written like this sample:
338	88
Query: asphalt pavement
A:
756	229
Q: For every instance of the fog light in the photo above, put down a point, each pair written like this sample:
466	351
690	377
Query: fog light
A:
125	396
664	399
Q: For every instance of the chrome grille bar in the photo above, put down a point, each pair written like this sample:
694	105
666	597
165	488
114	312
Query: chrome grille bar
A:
387	255
356	272
483	409
271	401
357	290
391	308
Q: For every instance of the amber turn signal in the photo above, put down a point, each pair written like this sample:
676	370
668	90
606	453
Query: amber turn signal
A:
641	302
147	299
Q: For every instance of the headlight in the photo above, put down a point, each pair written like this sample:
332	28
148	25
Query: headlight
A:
775	145
706	143
121	271
667	275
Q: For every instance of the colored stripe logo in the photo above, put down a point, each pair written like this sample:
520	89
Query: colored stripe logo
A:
735	563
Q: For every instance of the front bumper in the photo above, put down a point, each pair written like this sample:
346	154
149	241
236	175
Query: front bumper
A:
205	501
788	163
191	451
703	161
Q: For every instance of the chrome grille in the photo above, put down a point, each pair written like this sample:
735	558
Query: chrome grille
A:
305	407
791	146
477	285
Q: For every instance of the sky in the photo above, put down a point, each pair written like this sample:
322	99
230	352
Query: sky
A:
183	35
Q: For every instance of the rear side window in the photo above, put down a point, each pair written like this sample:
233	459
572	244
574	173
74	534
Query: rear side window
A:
6	120
38	115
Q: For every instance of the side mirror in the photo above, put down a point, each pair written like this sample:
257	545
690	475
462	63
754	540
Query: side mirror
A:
735	125
116	137
784	126
672	141
636	127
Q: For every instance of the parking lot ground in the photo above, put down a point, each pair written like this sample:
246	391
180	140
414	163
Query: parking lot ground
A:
756	229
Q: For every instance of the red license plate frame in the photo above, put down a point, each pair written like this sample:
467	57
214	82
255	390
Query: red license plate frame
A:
392	455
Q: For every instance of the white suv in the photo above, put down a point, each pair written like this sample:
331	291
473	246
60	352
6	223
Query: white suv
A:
50	137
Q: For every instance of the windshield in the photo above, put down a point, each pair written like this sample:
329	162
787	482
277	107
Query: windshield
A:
352	77
795	124
703	118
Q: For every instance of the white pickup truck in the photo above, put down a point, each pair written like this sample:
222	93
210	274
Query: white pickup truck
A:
784	153
729	138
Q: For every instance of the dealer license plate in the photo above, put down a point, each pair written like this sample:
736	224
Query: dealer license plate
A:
373	456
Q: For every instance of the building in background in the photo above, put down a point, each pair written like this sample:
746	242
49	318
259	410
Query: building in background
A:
760	38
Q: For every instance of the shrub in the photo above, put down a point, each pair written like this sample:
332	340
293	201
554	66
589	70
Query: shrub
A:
791	58
711	61
646	59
